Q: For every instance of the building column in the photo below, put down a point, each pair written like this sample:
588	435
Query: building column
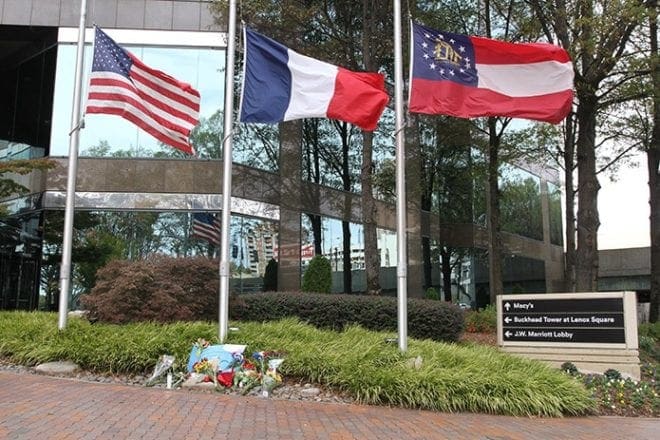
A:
288	277
415	278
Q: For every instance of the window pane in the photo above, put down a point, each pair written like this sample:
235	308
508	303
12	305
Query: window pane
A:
520	203
554	208
109	135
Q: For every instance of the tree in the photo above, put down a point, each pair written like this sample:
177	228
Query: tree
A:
376	17
318	276
270	276
8	185
312	172
653	161
596	34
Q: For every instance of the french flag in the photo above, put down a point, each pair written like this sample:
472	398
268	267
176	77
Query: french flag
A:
468	77
282	85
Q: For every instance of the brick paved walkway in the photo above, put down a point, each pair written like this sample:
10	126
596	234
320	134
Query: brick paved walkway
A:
39	407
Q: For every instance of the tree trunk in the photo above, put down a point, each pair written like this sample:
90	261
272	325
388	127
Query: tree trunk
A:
426	259
426	204
586	265
315	220
653	161
345	226
369	212
348	276
313	165
569	208
445	254
495	253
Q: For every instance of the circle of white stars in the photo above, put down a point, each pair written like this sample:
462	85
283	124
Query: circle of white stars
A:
433	66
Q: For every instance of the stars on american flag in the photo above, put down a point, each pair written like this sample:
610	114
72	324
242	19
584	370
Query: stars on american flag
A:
111	57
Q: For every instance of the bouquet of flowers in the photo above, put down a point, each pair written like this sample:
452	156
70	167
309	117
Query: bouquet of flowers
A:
207	368
260	371
163	365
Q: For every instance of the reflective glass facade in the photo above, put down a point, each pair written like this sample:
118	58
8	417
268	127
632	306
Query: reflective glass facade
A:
136	198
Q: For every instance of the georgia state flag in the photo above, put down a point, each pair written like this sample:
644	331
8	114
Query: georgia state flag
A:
468	77
282	85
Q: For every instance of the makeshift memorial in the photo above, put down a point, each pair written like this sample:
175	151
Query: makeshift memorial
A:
223	353
225	366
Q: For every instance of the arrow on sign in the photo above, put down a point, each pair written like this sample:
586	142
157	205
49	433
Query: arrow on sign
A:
507	334
507	306
507	320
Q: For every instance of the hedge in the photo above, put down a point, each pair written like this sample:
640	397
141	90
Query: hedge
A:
427	319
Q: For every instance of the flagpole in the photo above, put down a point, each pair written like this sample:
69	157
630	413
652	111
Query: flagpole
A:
402	260
65	266
226	174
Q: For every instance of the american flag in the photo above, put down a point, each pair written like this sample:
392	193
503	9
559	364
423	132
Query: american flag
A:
120	84
206	226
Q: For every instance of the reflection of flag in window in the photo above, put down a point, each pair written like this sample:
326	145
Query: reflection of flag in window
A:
206	226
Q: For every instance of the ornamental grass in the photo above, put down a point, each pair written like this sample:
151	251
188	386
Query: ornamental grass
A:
366	364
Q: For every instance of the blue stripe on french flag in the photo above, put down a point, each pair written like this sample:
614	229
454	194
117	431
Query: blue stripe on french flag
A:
282	85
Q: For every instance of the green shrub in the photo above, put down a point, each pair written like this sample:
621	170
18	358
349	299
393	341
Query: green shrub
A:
649	347
612	374
318	276
270	276
435	320
569	367
481	321
651	330
160	288
431	293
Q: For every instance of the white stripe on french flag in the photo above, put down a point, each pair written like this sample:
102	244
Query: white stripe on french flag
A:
282	85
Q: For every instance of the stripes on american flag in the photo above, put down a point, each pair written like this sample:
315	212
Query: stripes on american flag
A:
206	226
122	85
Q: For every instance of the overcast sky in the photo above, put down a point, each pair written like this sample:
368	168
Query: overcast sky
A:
624	209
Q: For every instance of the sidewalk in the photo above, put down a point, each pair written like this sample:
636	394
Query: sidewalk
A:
40	407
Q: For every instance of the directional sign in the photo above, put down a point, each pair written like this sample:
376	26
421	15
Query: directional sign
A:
563	305
596	320
610	335
583	320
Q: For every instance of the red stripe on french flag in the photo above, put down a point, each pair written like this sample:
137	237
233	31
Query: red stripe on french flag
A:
359	98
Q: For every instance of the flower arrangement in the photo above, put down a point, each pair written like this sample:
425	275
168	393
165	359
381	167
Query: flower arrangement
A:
207	368
260	371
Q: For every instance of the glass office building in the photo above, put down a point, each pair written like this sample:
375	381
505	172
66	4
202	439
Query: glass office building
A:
136	197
